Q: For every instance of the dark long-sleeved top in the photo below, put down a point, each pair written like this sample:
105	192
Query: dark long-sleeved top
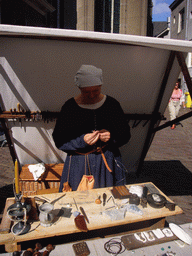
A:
72	125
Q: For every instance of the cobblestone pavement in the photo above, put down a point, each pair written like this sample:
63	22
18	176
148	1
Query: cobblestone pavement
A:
168	164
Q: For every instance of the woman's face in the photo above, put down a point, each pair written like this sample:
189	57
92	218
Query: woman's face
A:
91	94
176	85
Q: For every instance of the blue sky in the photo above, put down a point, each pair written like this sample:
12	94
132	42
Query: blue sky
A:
161	9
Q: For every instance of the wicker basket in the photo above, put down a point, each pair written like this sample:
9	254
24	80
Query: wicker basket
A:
49	179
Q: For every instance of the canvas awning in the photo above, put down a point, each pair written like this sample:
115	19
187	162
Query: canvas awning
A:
38	66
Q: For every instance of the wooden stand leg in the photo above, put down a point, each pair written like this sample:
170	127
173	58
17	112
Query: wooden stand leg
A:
160	223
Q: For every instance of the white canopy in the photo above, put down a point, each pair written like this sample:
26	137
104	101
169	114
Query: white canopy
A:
38	66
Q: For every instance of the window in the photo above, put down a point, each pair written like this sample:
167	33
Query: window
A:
174	20
104	17
181	20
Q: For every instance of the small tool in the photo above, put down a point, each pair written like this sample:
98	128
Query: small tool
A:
79	219
75	204
144	197
109	199
104	199
84	214
57	199
110	208
116	206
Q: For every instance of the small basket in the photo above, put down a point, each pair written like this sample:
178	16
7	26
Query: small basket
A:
49	179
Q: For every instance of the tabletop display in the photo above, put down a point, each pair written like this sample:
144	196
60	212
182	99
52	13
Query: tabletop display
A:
133	207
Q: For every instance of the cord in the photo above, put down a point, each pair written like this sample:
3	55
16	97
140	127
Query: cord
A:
113	244
121	165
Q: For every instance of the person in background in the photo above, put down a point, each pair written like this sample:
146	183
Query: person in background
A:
175	103
182	100
90	129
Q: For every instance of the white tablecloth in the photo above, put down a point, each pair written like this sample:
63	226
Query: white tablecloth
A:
96	247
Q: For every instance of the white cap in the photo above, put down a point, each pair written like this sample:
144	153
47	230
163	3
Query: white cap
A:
88	76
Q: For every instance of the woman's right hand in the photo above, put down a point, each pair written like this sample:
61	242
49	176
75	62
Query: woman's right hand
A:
91	138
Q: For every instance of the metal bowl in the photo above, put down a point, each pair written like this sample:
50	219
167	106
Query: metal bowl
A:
156	200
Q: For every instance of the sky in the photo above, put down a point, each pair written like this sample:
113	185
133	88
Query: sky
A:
161	10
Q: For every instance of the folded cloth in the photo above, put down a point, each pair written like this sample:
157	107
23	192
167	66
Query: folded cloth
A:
136	189
37	170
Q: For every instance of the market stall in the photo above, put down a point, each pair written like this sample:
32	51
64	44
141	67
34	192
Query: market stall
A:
38	66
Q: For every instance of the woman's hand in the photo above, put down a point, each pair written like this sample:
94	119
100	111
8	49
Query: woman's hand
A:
104	135
91	138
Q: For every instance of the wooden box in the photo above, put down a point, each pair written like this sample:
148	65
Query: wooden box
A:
50	179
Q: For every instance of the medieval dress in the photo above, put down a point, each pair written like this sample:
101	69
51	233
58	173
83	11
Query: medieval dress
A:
72	125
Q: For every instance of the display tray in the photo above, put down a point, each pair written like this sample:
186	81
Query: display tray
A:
148	238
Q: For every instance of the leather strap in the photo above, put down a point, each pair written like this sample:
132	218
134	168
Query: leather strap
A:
105	161
98	149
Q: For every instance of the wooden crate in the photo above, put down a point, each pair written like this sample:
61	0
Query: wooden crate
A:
49	179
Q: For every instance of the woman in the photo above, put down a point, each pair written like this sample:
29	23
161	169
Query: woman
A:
174	103
90	129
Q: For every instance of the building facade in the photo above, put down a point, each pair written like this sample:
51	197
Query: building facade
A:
132	17
114	16
181	27
181	19
28	13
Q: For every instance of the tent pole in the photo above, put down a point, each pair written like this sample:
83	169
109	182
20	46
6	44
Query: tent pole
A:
154	119
185	71
176	120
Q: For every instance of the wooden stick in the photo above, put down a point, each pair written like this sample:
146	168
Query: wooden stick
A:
6	221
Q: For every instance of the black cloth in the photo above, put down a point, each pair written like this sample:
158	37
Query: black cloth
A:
72	125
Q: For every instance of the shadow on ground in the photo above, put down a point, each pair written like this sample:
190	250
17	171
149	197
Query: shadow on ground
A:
6	191
171	177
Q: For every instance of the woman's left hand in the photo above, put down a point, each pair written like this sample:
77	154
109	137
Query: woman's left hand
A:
104	135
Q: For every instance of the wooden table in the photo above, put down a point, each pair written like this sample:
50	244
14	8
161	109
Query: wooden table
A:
151	218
